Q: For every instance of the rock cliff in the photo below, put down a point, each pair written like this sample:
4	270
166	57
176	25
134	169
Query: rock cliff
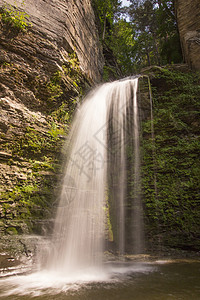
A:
67	26
49	54
188	18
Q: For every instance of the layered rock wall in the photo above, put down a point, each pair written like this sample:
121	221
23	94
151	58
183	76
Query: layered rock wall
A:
43	72
69	26
188	18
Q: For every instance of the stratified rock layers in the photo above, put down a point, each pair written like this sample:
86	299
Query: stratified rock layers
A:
188	18
68	26
43	71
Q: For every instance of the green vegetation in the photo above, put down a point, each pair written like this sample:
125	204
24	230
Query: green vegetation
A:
63	90
32	195
15	18
70	76
171	163
24	205
143	34
35	160
54	86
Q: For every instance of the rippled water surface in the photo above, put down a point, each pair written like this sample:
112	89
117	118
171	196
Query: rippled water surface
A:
160	280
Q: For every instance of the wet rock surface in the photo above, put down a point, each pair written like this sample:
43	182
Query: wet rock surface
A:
17	254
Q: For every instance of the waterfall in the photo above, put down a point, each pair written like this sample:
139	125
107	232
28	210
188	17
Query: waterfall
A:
102	172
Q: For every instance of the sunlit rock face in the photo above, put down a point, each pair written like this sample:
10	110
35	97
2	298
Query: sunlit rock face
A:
68	26
43	71
188	18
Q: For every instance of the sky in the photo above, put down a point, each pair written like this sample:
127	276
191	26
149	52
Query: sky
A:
125	3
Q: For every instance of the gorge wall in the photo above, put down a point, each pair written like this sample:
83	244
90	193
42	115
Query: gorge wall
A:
44	70
188	18
170	160
48	58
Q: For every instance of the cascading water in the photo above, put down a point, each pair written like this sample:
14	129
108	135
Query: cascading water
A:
79	225
103	131
102	174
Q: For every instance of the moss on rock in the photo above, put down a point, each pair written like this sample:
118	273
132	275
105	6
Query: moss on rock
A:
171	162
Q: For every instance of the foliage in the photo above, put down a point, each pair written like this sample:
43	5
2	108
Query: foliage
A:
72	71
15	18
54	86
156	32
56	131
106	12
124	46
63	114
22	204
143	34
32	196
171	162
38	144
35	141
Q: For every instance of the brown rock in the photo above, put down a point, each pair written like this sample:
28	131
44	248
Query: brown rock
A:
30	95
63	26
188	18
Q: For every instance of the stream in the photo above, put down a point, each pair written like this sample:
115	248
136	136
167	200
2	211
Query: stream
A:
160	279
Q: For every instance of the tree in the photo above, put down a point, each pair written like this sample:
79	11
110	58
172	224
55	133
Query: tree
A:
106	14
143	34
156	18
124	45
106	11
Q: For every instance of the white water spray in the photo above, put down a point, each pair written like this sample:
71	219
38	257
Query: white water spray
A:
96	169
102	158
